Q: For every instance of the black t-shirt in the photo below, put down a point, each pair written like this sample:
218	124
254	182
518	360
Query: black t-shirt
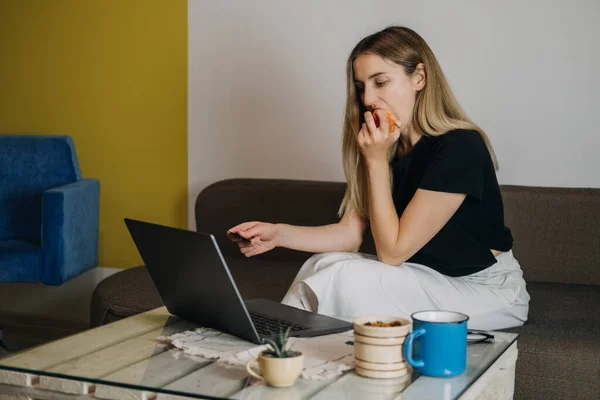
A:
456	162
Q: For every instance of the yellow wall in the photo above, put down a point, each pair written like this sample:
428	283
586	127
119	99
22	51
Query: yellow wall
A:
113	75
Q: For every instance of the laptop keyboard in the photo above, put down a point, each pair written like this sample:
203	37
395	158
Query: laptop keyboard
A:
268	326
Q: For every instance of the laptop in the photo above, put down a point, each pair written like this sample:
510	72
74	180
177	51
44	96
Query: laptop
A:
195	284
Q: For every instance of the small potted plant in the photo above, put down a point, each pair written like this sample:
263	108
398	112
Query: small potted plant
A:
279	365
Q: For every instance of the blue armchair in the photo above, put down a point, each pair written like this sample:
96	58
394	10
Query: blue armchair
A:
48	213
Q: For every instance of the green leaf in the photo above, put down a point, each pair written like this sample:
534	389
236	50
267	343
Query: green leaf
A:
278	342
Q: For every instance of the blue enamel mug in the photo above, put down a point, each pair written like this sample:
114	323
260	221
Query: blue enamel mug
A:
437	345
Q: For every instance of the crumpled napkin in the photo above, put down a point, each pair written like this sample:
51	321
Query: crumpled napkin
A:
325	357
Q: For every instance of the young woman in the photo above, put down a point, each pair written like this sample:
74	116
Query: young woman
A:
426	185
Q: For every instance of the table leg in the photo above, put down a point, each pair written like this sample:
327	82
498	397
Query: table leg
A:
498	382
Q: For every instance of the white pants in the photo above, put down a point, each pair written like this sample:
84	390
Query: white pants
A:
348	285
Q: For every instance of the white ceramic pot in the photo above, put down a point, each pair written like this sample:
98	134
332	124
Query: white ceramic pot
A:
278	372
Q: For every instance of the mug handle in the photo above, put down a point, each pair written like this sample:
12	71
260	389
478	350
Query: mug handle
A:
408	348
251	371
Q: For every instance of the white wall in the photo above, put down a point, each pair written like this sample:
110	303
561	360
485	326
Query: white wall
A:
267	83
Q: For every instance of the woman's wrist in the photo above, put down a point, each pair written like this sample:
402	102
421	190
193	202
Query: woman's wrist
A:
376	164
280	234
376	167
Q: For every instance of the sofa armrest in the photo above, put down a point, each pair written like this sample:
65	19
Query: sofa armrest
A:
70	216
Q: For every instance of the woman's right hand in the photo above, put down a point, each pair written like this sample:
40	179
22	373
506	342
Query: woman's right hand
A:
261	237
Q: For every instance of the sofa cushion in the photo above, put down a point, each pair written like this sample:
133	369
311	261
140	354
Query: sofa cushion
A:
559	345
555	232
564	248
20	261
227	203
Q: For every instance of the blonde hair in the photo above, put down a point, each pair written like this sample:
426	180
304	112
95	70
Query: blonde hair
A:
436	110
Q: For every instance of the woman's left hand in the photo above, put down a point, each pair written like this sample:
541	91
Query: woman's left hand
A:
375	142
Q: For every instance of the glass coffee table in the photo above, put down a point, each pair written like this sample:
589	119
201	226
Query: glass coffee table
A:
124	360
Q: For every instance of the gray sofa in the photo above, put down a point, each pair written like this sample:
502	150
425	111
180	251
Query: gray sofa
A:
557	242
